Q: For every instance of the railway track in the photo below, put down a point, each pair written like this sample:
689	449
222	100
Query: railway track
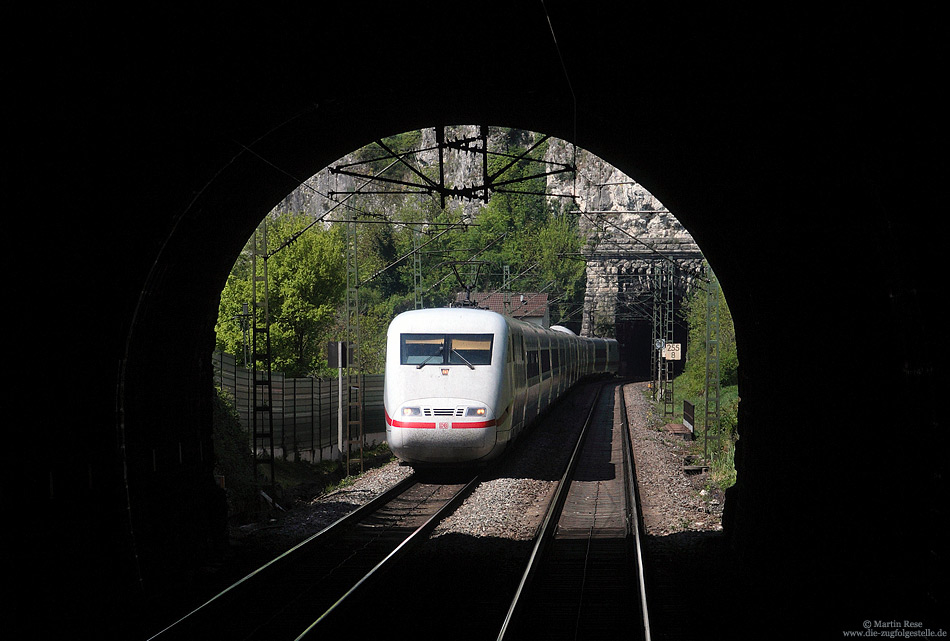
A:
573	581
580	577
585	577
286	597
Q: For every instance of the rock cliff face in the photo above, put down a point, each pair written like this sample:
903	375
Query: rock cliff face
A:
629	234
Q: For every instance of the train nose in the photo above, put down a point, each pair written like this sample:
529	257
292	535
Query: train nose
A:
441	430
459	414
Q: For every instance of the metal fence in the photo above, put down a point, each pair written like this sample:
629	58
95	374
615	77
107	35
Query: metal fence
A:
305	410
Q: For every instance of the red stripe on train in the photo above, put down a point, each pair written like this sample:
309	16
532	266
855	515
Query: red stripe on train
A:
422	426
497	421
431	426
457	426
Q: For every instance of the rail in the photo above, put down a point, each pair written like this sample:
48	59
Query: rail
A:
637	531
550	520
338	609
267	601
593	519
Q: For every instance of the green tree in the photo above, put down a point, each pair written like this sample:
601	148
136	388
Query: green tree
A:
511	221
557	239
694	374
306	283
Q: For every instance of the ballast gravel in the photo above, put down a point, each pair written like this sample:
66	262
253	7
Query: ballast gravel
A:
672	501
510	504
310	517
488	538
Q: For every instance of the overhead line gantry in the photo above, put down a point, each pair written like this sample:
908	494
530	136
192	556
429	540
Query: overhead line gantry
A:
420	183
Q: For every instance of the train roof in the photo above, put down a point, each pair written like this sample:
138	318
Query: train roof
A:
469	320
456	319
562	329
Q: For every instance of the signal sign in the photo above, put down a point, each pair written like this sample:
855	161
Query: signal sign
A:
340	355
673	351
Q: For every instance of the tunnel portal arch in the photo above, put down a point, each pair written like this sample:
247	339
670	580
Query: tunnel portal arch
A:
816	134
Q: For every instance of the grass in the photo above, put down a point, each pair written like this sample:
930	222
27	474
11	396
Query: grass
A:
303	477
294	480
721	460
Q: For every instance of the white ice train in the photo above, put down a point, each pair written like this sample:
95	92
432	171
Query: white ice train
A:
462	383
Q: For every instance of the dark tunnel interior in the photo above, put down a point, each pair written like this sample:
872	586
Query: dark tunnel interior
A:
798	150
635	338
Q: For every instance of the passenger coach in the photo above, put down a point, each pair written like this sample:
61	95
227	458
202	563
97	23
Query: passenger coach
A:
462	383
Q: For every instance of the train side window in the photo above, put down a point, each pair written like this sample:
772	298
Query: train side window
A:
533	364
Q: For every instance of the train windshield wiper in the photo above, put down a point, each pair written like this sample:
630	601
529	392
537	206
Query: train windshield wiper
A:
419	366
470	366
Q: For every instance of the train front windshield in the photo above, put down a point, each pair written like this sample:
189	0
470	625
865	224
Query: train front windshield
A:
445	349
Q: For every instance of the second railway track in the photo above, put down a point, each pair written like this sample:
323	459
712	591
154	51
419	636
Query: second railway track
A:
586	583
362	571
585	578
284	598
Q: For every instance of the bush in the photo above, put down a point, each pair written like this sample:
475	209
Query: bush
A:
233	459
691	385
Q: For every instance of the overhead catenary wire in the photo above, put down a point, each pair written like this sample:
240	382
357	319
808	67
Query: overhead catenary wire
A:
478	253
400	158
338	203
406	255
570	86
651	248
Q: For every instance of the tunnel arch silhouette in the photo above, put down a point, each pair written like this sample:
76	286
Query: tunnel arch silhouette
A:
773	142
260	175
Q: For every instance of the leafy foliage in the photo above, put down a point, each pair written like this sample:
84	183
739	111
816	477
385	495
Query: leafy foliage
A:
691	385
232	457
693	379
306	283
307	278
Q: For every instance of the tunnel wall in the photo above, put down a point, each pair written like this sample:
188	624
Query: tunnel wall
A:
147	154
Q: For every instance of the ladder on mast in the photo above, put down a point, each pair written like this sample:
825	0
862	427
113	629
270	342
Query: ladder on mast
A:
417	267
668	340
262	416
713	388
656	344
354	387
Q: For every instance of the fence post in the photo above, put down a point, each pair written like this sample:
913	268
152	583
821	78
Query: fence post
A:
294	415
313	408
319	441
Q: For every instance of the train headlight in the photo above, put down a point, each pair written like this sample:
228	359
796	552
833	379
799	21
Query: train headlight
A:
476	411
411	411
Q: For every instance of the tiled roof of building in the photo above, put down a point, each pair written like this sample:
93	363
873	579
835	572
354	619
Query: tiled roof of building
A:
523	305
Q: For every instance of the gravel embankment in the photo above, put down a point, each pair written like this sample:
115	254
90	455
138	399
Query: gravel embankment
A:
683	549
490	533
511	502
672	501
310	517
